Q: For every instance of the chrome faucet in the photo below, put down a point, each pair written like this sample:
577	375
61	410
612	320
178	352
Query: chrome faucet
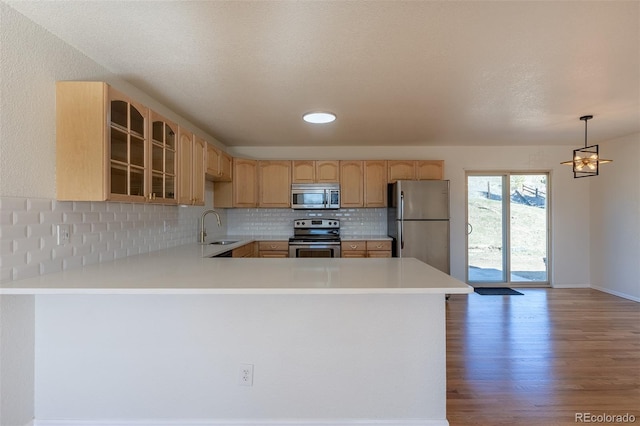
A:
203	232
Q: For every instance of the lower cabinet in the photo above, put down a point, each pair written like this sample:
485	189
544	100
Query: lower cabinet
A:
273	249
247	250
368	248
379	248
354	248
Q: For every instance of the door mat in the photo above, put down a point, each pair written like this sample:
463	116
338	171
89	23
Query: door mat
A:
497	291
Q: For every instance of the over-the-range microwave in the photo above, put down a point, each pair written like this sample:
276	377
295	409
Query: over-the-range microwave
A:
315	196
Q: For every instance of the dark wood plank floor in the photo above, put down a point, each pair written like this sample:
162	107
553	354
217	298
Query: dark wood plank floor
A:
540	358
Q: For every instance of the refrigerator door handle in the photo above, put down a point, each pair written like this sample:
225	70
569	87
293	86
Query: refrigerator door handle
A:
401	222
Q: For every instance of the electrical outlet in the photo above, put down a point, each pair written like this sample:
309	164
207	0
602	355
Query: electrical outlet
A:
64	234
246	375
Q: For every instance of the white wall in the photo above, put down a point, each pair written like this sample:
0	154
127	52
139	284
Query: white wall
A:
615	220
17	349
569	197
318	359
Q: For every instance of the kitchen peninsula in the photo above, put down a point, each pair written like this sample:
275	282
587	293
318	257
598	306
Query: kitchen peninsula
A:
162	338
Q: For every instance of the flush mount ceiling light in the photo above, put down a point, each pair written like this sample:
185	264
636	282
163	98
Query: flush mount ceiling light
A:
586	161
319	117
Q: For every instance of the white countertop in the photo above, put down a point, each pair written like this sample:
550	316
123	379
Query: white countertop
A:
188	269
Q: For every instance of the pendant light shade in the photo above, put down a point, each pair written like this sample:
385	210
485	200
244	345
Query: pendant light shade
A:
586	161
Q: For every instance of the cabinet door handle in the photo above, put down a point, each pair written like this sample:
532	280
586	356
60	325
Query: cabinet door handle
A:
353	246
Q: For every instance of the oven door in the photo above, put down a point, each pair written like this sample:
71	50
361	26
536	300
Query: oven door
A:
314	250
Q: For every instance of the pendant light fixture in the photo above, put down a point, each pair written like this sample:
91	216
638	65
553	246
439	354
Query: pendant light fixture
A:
586	161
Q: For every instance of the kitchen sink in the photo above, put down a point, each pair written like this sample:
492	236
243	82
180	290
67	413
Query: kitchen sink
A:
223	242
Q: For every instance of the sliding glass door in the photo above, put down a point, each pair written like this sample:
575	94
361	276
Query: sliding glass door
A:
507	228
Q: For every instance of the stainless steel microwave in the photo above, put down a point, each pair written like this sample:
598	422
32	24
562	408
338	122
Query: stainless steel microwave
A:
315	196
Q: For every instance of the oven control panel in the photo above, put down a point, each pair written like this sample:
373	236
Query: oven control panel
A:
316	223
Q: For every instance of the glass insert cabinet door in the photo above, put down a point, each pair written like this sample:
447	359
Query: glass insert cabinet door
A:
163	159
507	228
128	142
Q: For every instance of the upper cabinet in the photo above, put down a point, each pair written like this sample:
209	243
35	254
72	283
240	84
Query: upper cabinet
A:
415	170
375	183
315	171
401	170
163	160
242	191
101	144
351	183
110	147
191	168
429	169
218	164
363	183
274	184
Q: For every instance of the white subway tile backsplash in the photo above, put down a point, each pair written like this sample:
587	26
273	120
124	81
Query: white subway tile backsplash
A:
100	231
280	221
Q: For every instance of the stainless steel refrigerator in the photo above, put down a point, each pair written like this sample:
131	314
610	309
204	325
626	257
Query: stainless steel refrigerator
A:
418	220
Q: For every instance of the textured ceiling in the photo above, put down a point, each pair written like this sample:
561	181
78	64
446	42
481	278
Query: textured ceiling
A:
395	73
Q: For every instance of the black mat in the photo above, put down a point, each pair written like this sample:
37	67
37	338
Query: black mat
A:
497	291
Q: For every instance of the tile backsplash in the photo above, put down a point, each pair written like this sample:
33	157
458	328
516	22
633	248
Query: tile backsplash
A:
103	231
100	231
280	221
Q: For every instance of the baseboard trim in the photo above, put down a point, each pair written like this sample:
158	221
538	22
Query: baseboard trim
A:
245	422
570	286
616	293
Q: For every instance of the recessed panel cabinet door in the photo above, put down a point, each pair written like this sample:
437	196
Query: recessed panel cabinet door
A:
351	184
245	183
274	184
375	183
185	153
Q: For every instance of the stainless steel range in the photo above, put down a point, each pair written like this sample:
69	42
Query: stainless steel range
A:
315	238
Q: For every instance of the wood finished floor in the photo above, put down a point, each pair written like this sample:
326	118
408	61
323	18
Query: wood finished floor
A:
540	358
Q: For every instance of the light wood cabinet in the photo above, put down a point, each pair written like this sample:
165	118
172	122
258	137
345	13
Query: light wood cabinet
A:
378	248
273	249
198	167
242	191
353	249
218	164
247	250
163	159
274	184
191	168
366	248
351	184
401	170
328	171
429	169
375	183
101	144
315	171
415	170
226	162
